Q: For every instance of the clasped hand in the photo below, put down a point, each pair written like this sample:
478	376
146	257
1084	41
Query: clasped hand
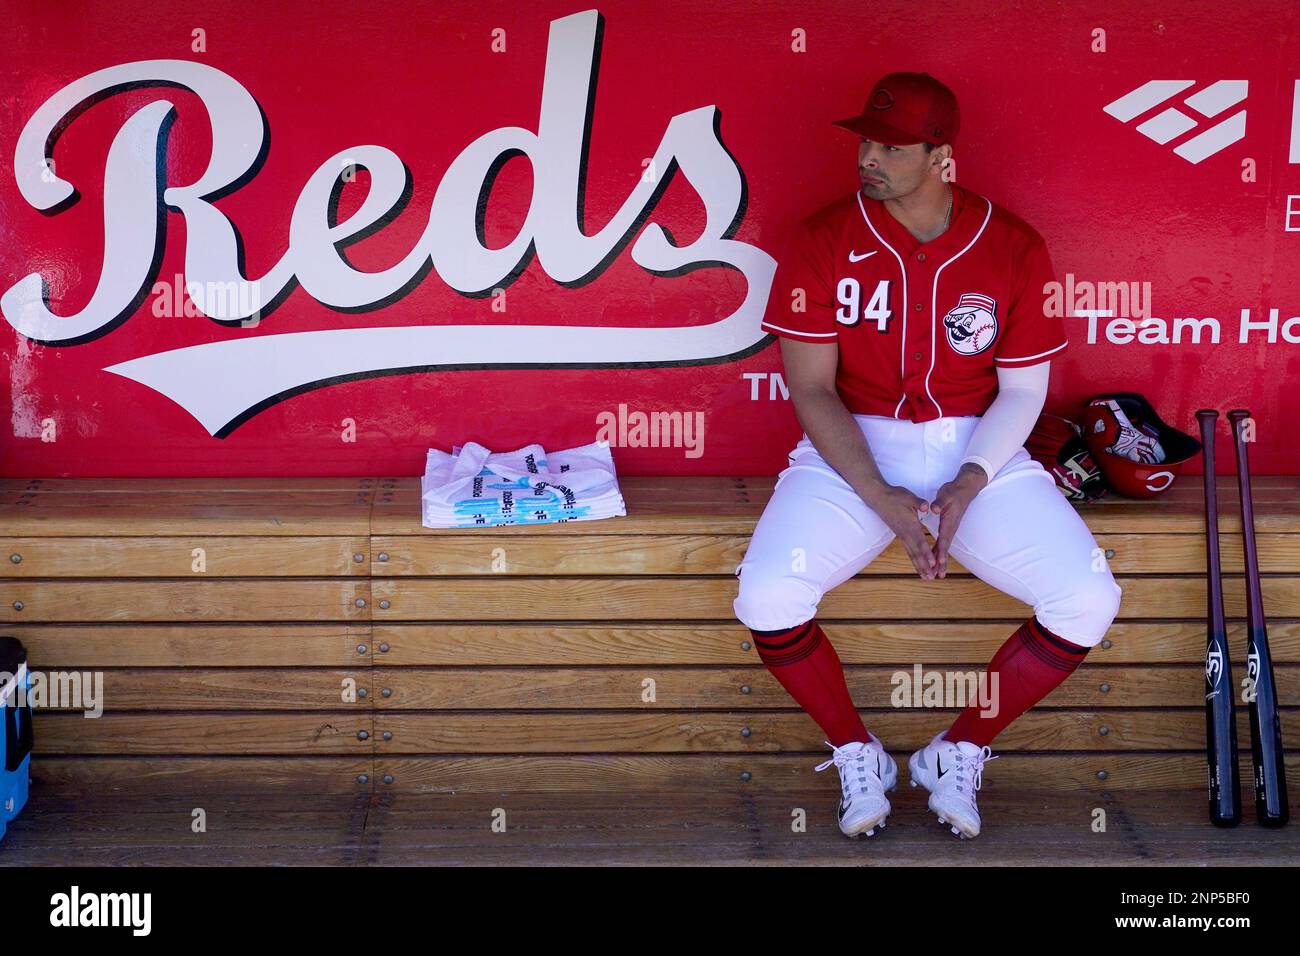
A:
902	511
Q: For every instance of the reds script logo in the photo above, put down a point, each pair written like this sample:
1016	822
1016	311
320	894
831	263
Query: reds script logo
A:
973	324
223	383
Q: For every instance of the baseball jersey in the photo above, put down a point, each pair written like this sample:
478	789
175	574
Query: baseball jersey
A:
922	327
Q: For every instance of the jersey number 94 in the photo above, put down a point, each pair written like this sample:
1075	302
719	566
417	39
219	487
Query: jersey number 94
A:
849	295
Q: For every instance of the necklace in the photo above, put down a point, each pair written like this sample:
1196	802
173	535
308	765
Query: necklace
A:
947	217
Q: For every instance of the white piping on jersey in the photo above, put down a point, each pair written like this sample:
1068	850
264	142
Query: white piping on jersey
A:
934	297
1025	358
818	335
902	342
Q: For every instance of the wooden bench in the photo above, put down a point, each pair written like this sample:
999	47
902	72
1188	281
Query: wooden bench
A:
593	657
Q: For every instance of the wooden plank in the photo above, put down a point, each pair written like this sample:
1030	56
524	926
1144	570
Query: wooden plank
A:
134	502
748	688
238	829
400	517
681	506
608	554
41	515
1189	487
902	643
55	776
260	555
195	599
55	646
655	731
208	855
678	509
1186	492
1093	772
591	598
1023	827
896	642
207	734
243	689
155	486
506	688
224	556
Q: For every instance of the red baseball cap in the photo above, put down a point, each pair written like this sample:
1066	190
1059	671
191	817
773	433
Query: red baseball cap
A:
907	108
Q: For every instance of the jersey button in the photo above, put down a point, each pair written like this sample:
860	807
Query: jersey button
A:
917	356
920	257
918	307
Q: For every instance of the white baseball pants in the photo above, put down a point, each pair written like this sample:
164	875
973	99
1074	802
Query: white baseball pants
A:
1019	534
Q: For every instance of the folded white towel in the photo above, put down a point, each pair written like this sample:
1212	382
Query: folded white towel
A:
474	487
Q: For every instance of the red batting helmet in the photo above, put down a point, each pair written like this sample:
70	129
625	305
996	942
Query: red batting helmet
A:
1140	456
1057	444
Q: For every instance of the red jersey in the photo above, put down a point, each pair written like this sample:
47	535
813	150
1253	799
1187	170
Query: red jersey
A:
922	327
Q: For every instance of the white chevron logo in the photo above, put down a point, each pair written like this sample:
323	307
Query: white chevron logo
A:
1171	123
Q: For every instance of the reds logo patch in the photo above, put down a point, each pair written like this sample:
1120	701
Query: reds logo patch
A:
973	324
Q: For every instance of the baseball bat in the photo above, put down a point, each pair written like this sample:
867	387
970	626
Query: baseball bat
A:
1220	719
1266	754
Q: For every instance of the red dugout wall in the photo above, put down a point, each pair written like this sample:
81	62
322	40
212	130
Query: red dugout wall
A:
650	154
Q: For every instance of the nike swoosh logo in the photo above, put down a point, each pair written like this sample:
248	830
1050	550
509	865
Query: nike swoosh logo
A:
939	764
856	258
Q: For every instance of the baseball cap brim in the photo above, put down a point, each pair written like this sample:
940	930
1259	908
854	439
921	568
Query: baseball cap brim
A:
873	129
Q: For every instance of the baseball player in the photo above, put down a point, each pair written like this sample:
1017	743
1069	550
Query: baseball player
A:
917	347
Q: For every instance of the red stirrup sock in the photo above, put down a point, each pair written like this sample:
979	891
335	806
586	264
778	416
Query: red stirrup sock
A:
802	659
1032	663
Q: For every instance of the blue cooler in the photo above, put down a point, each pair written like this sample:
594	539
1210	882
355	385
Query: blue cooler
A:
16	741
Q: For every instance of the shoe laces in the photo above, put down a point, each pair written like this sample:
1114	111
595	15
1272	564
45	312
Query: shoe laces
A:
975	763
850	754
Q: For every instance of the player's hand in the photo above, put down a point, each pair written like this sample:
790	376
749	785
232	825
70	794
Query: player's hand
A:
950	503
902	510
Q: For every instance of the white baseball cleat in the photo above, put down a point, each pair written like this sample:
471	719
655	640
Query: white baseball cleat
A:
866	773
952	772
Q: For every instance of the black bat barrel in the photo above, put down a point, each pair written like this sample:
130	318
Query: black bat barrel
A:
1266	752
1220	719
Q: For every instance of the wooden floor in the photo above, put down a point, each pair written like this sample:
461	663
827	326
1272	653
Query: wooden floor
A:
737	827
